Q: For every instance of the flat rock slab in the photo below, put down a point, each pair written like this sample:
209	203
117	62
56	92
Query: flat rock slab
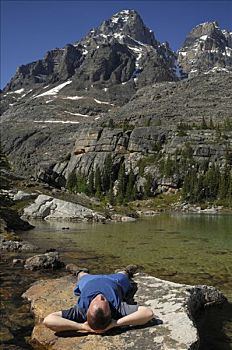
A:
173	305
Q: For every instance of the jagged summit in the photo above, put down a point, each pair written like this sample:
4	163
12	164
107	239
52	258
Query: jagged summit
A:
203	31
205	48
126	23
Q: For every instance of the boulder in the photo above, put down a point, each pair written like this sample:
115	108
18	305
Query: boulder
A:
10	221
174	305
49	208
50	260
122	218
10	245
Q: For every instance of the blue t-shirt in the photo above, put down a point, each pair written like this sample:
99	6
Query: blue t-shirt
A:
99	285
114	287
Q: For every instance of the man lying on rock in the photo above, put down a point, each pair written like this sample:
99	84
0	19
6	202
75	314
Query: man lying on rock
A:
101	304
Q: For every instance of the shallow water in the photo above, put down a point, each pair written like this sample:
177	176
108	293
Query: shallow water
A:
189	248
194	249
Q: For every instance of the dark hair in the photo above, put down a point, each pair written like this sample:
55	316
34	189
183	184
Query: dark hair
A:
98	319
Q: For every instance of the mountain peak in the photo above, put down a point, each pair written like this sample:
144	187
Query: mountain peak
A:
209	29
124	24
206	48
124	15
213	24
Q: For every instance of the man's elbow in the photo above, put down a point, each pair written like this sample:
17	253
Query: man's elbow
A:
148	314
49	322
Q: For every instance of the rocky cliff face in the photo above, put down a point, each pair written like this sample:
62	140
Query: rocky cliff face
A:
207	47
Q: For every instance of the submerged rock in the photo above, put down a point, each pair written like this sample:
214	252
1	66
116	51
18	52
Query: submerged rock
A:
173	304
50	260
49	208
122	218
11	245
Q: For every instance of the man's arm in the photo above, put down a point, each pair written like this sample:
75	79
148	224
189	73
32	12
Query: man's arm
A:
57	323
139	317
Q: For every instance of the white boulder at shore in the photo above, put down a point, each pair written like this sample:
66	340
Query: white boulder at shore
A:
49	208
173	328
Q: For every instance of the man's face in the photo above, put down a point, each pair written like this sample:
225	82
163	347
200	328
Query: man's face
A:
99	302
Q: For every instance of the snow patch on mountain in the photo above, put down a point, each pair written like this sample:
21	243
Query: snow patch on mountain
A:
20	91
55	90
73	98
78	114
57	121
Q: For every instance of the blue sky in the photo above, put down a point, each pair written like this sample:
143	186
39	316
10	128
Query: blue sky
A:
30	28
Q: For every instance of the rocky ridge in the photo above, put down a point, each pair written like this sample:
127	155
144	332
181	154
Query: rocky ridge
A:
113	53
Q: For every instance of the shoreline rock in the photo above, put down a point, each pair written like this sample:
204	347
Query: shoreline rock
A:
174	305
50	260
50	208
12	246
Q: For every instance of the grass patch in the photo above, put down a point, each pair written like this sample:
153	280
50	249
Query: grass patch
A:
160	202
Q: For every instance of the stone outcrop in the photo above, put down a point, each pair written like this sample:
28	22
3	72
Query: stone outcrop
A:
10	245
50	260
10	221
174	306
49	208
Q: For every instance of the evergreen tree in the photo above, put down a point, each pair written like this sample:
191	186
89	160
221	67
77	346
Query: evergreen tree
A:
189	185
204	124
71	181
198	192
211	123
227	125
122	179
130	187
211	183
110	195
98	182
107	174
81	184
229	195
91	189
223	183
170	167
148	186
